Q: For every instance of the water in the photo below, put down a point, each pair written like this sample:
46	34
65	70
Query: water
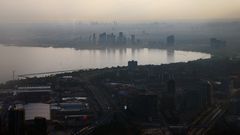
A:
25	60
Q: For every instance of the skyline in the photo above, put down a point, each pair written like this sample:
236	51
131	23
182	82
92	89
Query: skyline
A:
117	10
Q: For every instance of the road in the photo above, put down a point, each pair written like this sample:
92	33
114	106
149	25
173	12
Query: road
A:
203	123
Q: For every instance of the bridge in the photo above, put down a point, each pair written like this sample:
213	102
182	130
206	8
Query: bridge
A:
45	73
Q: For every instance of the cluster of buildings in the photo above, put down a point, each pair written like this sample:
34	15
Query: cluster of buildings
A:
27	110
121	39
37	110
166	95
112	39
216	43
154	95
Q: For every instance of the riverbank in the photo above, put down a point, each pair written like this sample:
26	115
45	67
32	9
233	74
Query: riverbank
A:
29	60
231	50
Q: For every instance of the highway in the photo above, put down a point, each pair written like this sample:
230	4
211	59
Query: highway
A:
203	123
100	97
106	107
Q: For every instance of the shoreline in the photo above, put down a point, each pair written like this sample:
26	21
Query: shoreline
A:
180	47
231	51
209	56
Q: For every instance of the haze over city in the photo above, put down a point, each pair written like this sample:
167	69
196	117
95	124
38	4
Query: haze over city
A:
119	67
117	10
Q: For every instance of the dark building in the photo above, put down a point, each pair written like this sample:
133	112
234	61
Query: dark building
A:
170	95
94	39
102	38
215	43
133	39
16	121
1	125
144	106
72	114
171	87
194	98
33	94
111	39
171	40
40	126
121	39
132	65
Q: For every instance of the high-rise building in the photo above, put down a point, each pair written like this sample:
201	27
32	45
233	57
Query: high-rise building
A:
133	39
102	38
215	43
171	40
16	121
94	39
171	90
122	40
111	39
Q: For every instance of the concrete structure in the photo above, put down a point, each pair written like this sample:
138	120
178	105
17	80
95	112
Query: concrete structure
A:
33	110
132	65
33	94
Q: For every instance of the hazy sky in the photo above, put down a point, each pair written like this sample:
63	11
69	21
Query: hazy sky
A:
117	10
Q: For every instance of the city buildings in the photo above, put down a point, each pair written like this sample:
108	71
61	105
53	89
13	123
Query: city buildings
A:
102	38
169	95
132	65
33	110
216	43
121	39
171	40
133	39
112	40
94	39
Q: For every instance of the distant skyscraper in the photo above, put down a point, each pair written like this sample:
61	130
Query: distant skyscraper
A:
94	39
111	39
121	39
133	39
102	38
215	43
171	40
